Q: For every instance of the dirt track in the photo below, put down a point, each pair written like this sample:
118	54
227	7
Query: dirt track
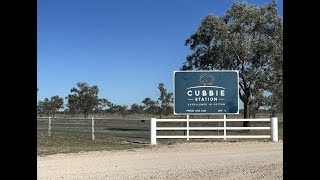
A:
210	160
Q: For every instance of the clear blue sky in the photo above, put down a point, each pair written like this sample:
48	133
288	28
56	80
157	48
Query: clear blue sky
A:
125	47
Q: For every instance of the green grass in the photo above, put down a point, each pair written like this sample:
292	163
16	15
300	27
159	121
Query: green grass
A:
74	143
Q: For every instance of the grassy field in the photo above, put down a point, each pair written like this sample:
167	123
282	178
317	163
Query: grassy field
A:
73	143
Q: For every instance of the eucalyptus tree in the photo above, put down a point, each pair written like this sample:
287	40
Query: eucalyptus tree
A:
165	100
50	107
101	105
151	106
84	98
122	109
248	39
72	105
115	108
135	108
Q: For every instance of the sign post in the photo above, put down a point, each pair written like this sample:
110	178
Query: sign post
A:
206	92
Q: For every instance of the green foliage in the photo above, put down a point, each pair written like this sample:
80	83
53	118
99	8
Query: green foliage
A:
248	39
135	108
84	99
112	107
151	106
50	107
122	109
72	105
101	106
257	99
165	100
162	106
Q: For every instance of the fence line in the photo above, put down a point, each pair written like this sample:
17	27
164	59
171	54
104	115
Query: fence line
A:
92	122
95	126
154	128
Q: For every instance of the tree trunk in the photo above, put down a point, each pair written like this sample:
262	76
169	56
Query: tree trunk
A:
245	114
161	111
255	110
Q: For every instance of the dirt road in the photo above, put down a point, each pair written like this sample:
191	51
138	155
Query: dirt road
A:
210	160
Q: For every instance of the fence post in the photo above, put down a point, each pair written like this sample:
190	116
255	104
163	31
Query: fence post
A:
274	128
153	131
92	127
49	127
224	127
187	127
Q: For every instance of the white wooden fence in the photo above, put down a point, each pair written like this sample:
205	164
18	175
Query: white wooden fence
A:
90	123
94	124
153	129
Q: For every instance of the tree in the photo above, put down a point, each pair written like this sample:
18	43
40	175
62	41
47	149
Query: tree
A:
72	105
135	108
101	105
56	103
41	108
112	107
122	109
84	98
44	107
151	106
256	101
165	100
248	39
275	100
50	107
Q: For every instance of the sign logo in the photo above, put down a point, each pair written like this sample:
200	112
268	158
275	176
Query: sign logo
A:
206	79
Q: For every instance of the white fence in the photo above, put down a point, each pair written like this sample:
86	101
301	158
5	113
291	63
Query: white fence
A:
142	125
95	126
153	128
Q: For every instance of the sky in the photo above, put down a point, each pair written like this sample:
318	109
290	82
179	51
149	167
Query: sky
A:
125	47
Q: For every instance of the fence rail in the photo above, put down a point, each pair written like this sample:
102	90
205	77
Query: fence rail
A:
154	129
94	124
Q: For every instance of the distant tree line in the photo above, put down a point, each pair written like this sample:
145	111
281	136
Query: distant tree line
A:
84	99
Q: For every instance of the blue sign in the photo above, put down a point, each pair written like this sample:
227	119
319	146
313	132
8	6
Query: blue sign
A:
206	92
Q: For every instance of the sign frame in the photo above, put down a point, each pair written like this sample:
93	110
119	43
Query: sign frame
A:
204	113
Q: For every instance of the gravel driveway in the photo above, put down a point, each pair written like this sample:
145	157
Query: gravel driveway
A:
192	160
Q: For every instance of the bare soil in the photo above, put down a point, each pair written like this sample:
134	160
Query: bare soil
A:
191	160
